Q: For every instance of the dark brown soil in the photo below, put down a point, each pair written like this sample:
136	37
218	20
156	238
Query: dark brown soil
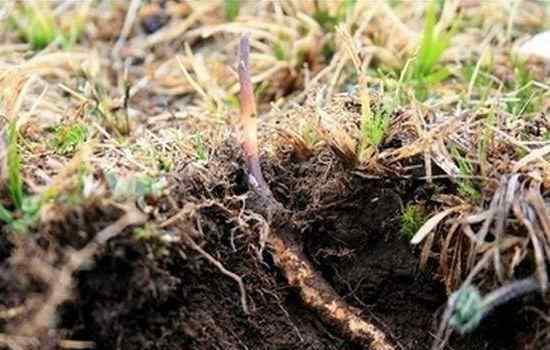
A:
145	294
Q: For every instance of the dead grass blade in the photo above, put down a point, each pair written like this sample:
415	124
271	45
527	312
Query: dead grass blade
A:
535	155
431	224
525	214
450	256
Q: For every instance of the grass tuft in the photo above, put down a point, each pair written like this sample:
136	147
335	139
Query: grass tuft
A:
201	149
15	176
426	71
527	98
465	184
330	20
37	24
25	208
68	138
412	219
232	9
375	123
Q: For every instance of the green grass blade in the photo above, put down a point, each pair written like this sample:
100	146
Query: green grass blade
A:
425	54
5	215
232	9
37	26
15	178
437	76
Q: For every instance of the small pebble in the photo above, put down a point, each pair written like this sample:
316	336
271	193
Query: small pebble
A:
538	46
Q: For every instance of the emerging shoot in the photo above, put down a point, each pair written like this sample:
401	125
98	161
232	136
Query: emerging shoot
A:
249	121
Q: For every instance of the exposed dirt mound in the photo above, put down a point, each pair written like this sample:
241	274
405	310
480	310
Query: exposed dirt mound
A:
137	298
147	294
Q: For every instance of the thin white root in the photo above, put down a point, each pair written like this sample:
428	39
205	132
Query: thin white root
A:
193	245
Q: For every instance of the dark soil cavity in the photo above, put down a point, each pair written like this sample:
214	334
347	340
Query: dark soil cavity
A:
351	232
358	247
145	294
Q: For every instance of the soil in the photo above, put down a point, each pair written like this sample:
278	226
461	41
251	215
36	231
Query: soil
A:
146	294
